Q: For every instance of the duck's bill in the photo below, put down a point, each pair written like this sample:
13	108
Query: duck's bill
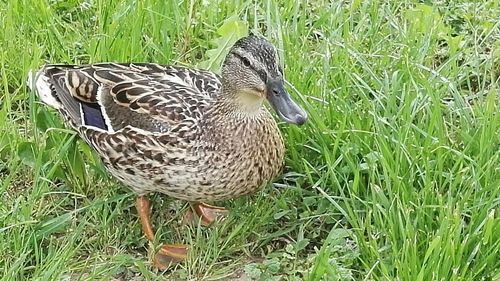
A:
282	103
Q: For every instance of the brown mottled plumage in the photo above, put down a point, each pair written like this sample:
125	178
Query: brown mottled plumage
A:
183	132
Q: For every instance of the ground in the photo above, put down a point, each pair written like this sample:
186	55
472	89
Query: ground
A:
395	176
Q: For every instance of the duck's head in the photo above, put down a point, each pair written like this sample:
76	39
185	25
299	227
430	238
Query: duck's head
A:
251	73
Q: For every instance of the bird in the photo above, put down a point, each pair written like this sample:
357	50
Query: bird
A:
184	132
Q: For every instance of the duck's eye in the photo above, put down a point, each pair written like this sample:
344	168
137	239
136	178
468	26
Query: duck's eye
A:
246	61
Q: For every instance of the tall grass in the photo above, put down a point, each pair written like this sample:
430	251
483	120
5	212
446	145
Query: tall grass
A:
396	175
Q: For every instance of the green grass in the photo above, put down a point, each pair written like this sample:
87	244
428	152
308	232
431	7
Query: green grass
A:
396	175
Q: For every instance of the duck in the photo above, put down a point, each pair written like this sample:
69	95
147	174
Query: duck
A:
184	132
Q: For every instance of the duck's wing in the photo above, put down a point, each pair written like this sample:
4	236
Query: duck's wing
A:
109	96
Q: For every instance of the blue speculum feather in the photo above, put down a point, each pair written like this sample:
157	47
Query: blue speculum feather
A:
92	116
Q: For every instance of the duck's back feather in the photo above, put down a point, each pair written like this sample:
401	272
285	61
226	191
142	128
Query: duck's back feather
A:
111	96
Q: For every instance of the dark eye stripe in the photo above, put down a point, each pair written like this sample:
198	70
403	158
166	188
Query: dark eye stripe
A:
261	73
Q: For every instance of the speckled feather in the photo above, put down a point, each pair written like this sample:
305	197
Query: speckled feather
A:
167	129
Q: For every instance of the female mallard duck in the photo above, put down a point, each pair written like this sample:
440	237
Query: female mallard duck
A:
184	132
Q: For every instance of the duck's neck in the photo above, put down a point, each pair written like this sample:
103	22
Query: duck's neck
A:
241	106
232	129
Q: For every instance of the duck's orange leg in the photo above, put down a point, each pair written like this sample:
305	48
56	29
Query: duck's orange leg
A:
169	253
207	213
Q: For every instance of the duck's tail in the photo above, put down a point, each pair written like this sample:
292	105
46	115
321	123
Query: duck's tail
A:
69	91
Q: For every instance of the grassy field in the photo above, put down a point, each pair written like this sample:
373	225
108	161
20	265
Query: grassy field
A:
396	176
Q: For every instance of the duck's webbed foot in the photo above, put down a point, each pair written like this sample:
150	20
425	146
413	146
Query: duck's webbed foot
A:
208	214
168	253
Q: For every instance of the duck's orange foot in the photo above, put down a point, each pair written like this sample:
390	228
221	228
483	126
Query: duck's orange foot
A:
207	213
170	254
